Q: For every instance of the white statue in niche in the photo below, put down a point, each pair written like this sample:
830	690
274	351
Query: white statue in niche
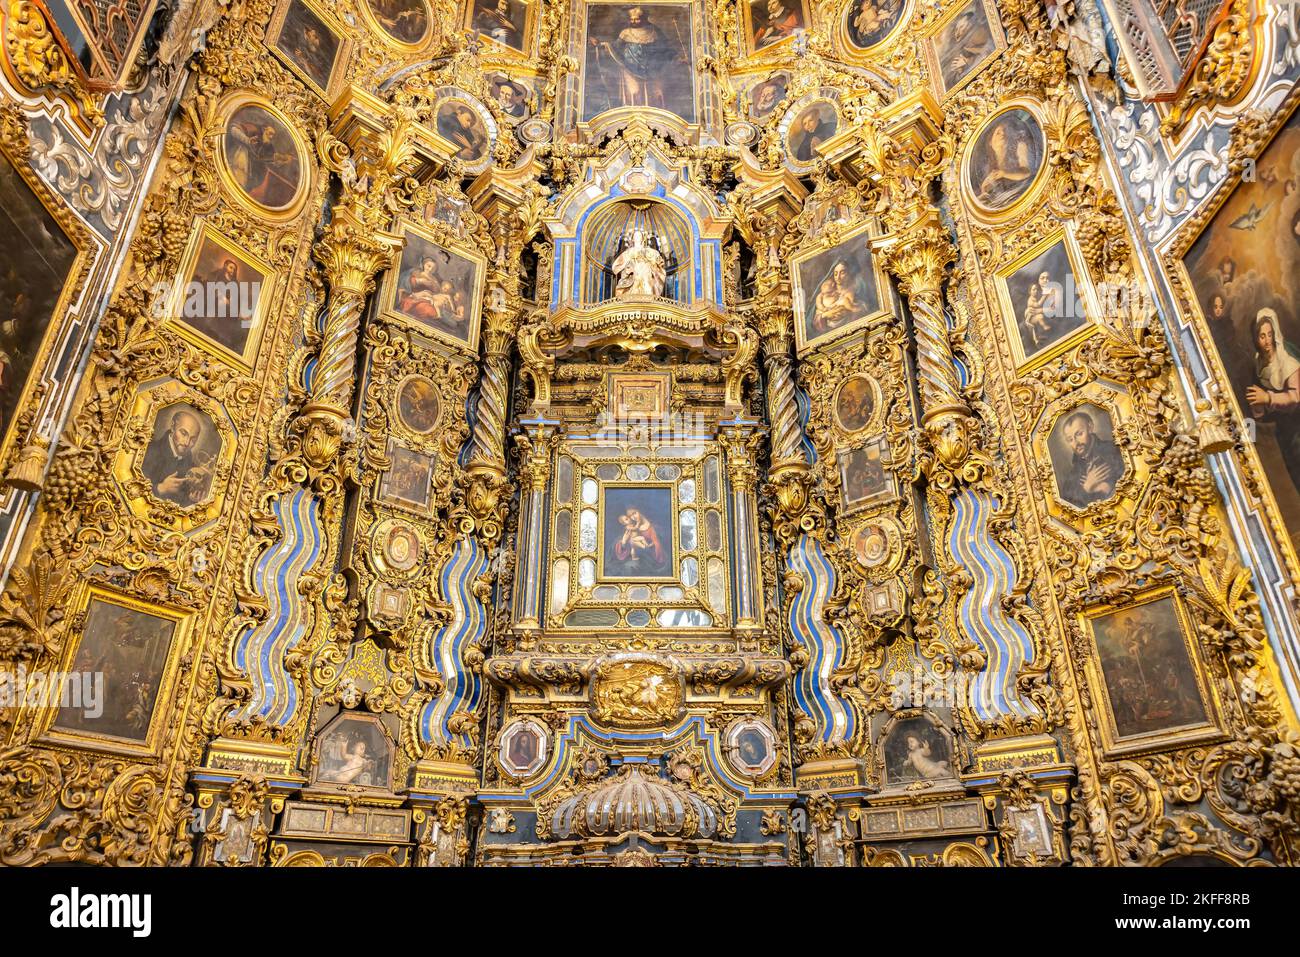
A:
640	270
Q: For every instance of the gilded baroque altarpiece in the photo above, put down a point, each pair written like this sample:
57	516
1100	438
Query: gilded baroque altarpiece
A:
534	432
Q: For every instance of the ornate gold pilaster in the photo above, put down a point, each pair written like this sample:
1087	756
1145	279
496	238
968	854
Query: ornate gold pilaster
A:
375	157
903	155
740	440
537	446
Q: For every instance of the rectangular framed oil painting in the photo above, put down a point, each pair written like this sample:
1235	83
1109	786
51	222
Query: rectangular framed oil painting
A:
124	662
637	541
436	289
43	264
221	298
966	38
505	22
1146	675
1047	298
1241	278
865	477
767	23
836	290
310	42
408	479
639	56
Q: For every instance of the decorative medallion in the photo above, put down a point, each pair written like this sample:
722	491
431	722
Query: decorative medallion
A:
636	691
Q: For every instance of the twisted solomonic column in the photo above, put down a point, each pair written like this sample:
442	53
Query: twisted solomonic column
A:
352	253
918	259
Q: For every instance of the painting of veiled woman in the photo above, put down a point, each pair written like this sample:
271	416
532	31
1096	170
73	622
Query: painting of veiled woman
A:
835	290
438	288
1245	272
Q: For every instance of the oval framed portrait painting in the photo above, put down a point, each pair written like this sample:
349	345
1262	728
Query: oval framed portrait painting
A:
263	158
808	126
869	23
468	127
403	23
855	404
1006	160
417	404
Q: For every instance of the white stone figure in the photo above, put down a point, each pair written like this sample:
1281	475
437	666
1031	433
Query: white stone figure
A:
640	270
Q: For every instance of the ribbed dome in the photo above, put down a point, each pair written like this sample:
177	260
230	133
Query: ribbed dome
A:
635	800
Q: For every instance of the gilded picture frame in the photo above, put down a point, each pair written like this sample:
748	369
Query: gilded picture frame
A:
1028	196
853	248
393	283
244	359
877	483
379	32
341	54
1115	743
473	22
407	482
1069	497
1192	314
847	401
86	596
862	54
1084	300
590	119
133	472
73	283
942	89
799	140
227	109
749	42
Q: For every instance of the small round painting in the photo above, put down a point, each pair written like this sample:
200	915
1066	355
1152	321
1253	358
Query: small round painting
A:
854	404
867	22
417	405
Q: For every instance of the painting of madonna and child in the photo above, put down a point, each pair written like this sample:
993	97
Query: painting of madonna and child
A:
438	289
638	532
1245	272
835	291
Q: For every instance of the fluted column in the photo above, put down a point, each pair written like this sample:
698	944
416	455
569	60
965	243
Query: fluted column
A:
740	439
537	443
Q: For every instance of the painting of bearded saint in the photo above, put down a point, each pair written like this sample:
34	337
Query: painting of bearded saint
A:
1085	458
263	157
963	44
438	289
181	457
638	532
772	21
834	290
505	21
309	43
1245	272
639	54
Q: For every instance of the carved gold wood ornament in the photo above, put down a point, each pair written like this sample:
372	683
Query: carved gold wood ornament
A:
648	434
